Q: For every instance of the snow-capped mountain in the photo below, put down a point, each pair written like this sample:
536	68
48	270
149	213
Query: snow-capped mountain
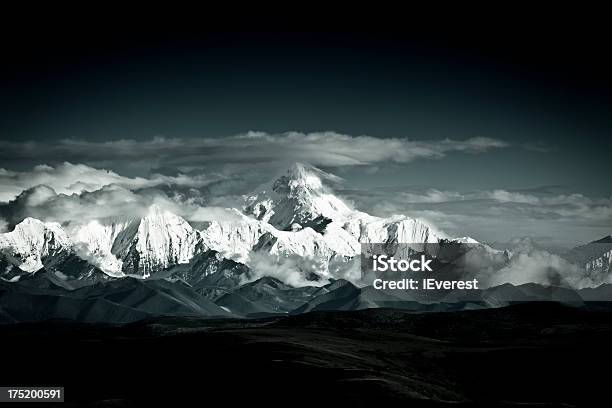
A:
602	264
31	242
293	229
299	201
235	239
137	247
296	215
153	243
595	257
298	197
94	241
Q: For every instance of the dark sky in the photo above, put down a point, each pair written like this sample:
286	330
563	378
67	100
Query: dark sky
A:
538	82
523	85
533	83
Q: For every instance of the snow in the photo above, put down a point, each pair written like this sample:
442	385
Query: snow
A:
602	264
94	241
32	240
297	197
294	215
156	241
235	239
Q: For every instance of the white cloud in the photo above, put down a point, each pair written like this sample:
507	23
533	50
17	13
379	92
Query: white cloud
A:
112	201
318	148
512	197
293	270
567	219
68	192
539	266
432	196
68	178
496	202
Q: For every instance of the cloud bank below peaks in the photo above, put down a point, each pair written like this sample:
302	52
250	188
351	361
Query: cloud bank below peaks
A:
108	202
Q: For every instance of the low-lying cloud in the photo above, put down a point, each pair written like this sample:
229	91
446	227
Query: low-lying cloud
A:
109	202
567	218
293	270
539	266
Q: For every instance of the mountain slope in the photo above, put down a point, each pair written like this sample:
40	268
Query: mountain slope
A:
298	197
155	242
266	295
115	301
32	241
595	257
298	217
210	274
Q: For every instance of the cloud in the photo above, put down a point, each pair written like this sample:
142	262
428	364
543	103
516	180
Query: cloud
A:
292	270
432	196
567	219
67	192
68	178
112	201
103	260
538	147
44	203
539	266
329	149
525	263
512	197
534	204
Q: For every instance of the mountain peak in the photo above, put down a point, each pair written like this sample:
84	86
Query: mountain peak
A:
304	174
298	177
302	171
297	197
33	226
156	241
32	240
156	214
300	167
30	221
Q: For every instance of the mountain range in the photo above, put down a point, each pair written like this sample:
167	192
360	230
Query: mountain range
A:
294	246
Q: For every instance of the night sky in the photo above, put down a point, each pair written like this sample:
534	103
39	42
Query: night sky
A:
542	90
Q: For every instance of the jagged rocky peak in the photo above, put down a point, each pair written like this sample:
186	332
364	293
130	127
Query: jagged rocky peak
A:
297	197
32	241
156	241
35	231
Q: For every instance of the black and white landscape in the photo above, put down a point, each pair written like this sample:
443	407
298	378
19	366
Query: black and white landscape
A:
187	216
293	247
